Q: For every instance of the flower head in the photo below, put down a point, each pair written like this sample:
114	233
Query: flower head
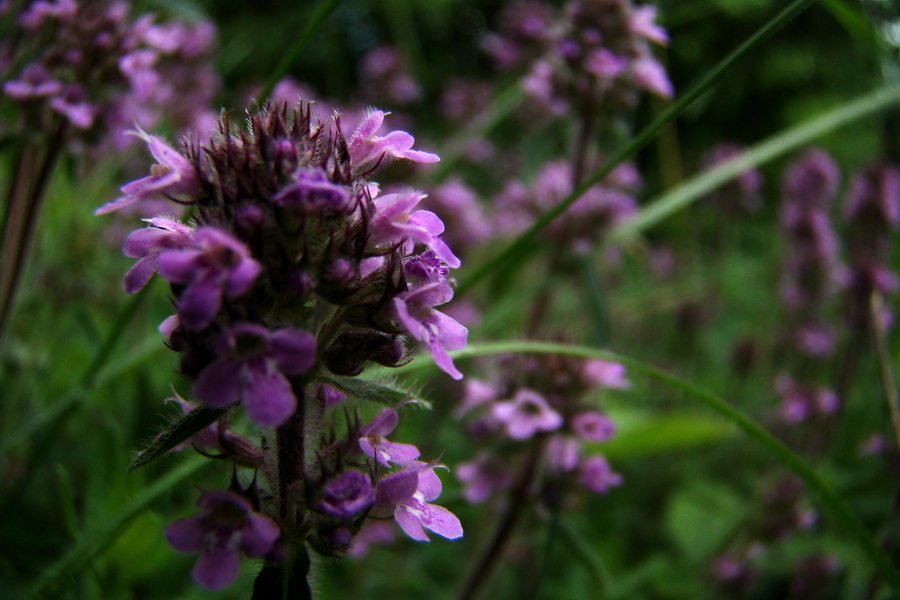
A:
253	365
226	527
407	494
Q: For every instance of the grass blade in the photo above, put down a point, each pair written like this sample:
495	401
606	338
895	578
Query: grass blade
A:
777	145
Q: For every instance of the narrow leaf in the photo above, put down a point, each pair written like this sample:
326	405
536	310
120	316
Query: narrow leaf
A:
388	394
193	422
773	147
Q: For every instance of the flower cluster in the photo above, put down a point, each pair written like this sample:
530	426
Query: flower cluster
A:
292	272
598	210
87	68
597	54
549	406
813	271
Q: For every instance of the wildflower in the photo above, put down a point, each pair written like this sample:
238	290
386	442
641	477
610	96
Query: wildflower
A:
414	312
373	443
482	477
526	414
593	426
347	496
216	265
368	150
395	221
605	374
173	175
253	365
226	527
407	494
596	476
146	244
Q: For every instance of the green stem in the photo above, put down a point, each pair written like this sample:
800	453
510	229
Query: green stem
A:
629	150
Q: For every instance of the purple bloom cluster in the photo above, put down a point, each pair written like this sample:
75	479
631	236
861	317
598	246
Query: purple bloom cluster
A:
553	409
88	68
386	79
292	269
598	210
812	271
596	54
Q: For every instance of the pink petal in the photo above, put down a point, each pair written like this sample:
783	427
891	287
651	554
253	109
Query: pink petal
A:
410	524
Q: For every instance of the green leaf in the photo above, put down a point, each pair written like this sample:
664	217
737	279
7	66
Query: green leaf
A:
193	422
824	493
640	433
521	243
386	393
701	518
695	188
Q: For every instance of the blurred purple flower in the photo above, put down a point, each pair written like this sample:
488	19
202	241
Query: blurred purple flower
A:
483	476
173	175
226	527
526	414
593	426
596	476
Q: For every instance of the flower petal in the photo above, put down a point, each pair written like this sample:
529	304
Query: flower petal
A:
219	384
216	569
187	534
259	536
268	397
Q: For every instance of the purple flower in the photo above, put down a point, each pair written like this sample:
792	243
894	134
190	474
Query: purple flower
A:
146	244
812	180
414	311
34	82
596	476
253	364
603	63
373	443
173	175
368	150
347	496
593	426
226	527
483	476
605	374
642	24
217	264
562	453
526	414
312	192
406	495
394	221
651	76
